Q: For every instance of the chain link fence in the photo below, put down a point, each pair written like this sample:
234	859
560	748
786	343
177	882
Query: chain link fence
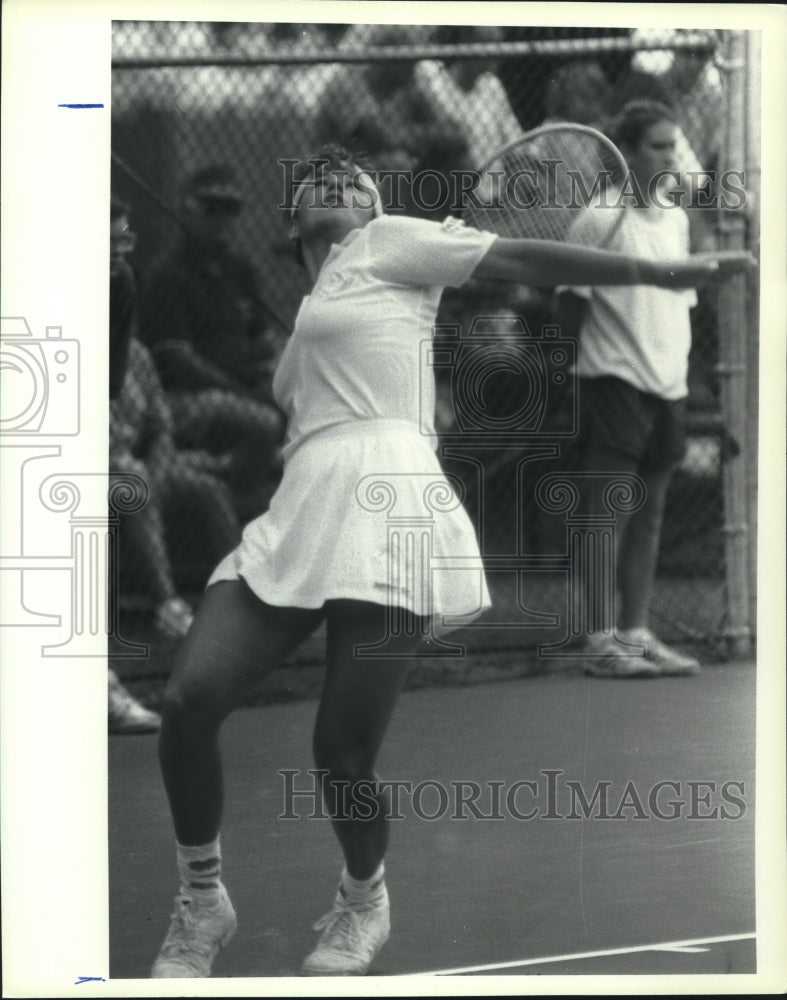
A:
190	96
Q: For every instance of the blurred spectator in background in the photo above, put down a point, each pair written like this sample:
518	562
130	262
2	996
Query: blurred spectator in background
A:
527	77
122	293
380	110
578	92
469	93
141	442
186	492
124	713
296	87
214	342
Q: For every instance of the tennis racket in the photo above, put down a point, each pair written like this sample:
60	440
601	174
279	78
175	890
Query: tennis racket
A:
537	186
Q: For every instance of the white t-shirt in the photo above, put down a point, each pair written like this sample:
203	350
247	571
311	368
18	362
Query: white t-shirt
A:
639	333
355	352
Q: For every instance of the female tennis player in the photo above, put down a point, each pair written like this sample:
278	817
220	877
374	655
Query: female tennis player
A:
350	384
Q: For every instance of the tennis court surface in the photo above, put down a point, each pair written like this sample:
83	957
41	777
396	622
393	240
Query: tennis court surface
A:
553	825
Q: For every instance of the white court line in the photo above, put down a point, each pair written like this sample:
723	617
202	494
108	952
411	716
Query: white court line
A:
666	946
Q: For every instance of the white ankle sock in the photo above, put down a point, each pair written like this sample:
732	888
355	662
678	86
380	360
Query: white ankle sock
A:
358	890
200	869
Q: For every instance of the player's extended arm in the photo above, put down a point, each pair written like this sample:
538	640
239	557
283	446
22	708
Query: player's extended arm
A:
545	263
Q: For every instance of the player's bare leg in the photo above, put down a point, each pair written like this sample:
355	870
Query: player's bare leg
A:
637	562
607	656
234	642
357	704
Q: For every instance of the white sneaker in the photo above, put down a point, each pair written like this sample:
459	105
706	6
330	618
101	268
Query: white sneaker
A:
353	934
197	933
125	713
670	662
607	656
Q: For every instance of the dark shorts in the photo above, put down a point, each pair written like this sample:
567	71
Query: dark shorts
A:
646	427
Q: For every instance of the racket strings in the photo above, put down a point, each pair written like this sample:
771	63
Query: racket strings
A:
536	188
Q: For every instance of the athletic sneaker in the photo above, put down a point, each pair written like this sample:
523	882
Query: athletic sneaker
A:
670	662
353	933
606	656
197	933
125	714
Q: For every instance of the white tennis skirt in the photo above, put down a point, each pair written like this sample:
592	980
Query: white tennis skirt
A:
364	511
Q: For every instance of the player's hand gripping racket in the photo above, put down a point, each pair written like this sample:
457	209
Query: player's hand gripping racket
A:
536	186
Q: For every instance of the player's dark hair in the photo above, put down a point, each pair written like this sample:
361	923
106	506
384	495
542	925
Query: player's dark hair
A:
634	119
331	157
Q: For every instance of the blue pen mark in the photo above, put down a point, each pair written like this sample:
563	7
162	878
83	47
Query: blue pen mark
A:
89	979
80	105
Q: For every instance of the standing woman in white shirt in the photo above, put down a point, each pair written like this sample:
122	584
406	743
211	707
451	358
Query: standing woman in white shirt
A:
634	347
356	400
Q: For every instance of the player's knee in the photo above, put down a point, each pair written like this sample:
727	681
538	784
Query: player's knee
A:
344	764
350	786
187	707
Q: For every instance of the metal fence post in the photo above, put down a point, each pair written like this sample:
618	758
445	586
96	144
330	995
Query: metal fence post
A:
753	187
732	368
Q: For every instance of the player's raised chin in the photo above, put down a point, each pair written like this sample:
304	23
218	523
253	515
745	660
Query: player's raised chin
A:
336	203
326	208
